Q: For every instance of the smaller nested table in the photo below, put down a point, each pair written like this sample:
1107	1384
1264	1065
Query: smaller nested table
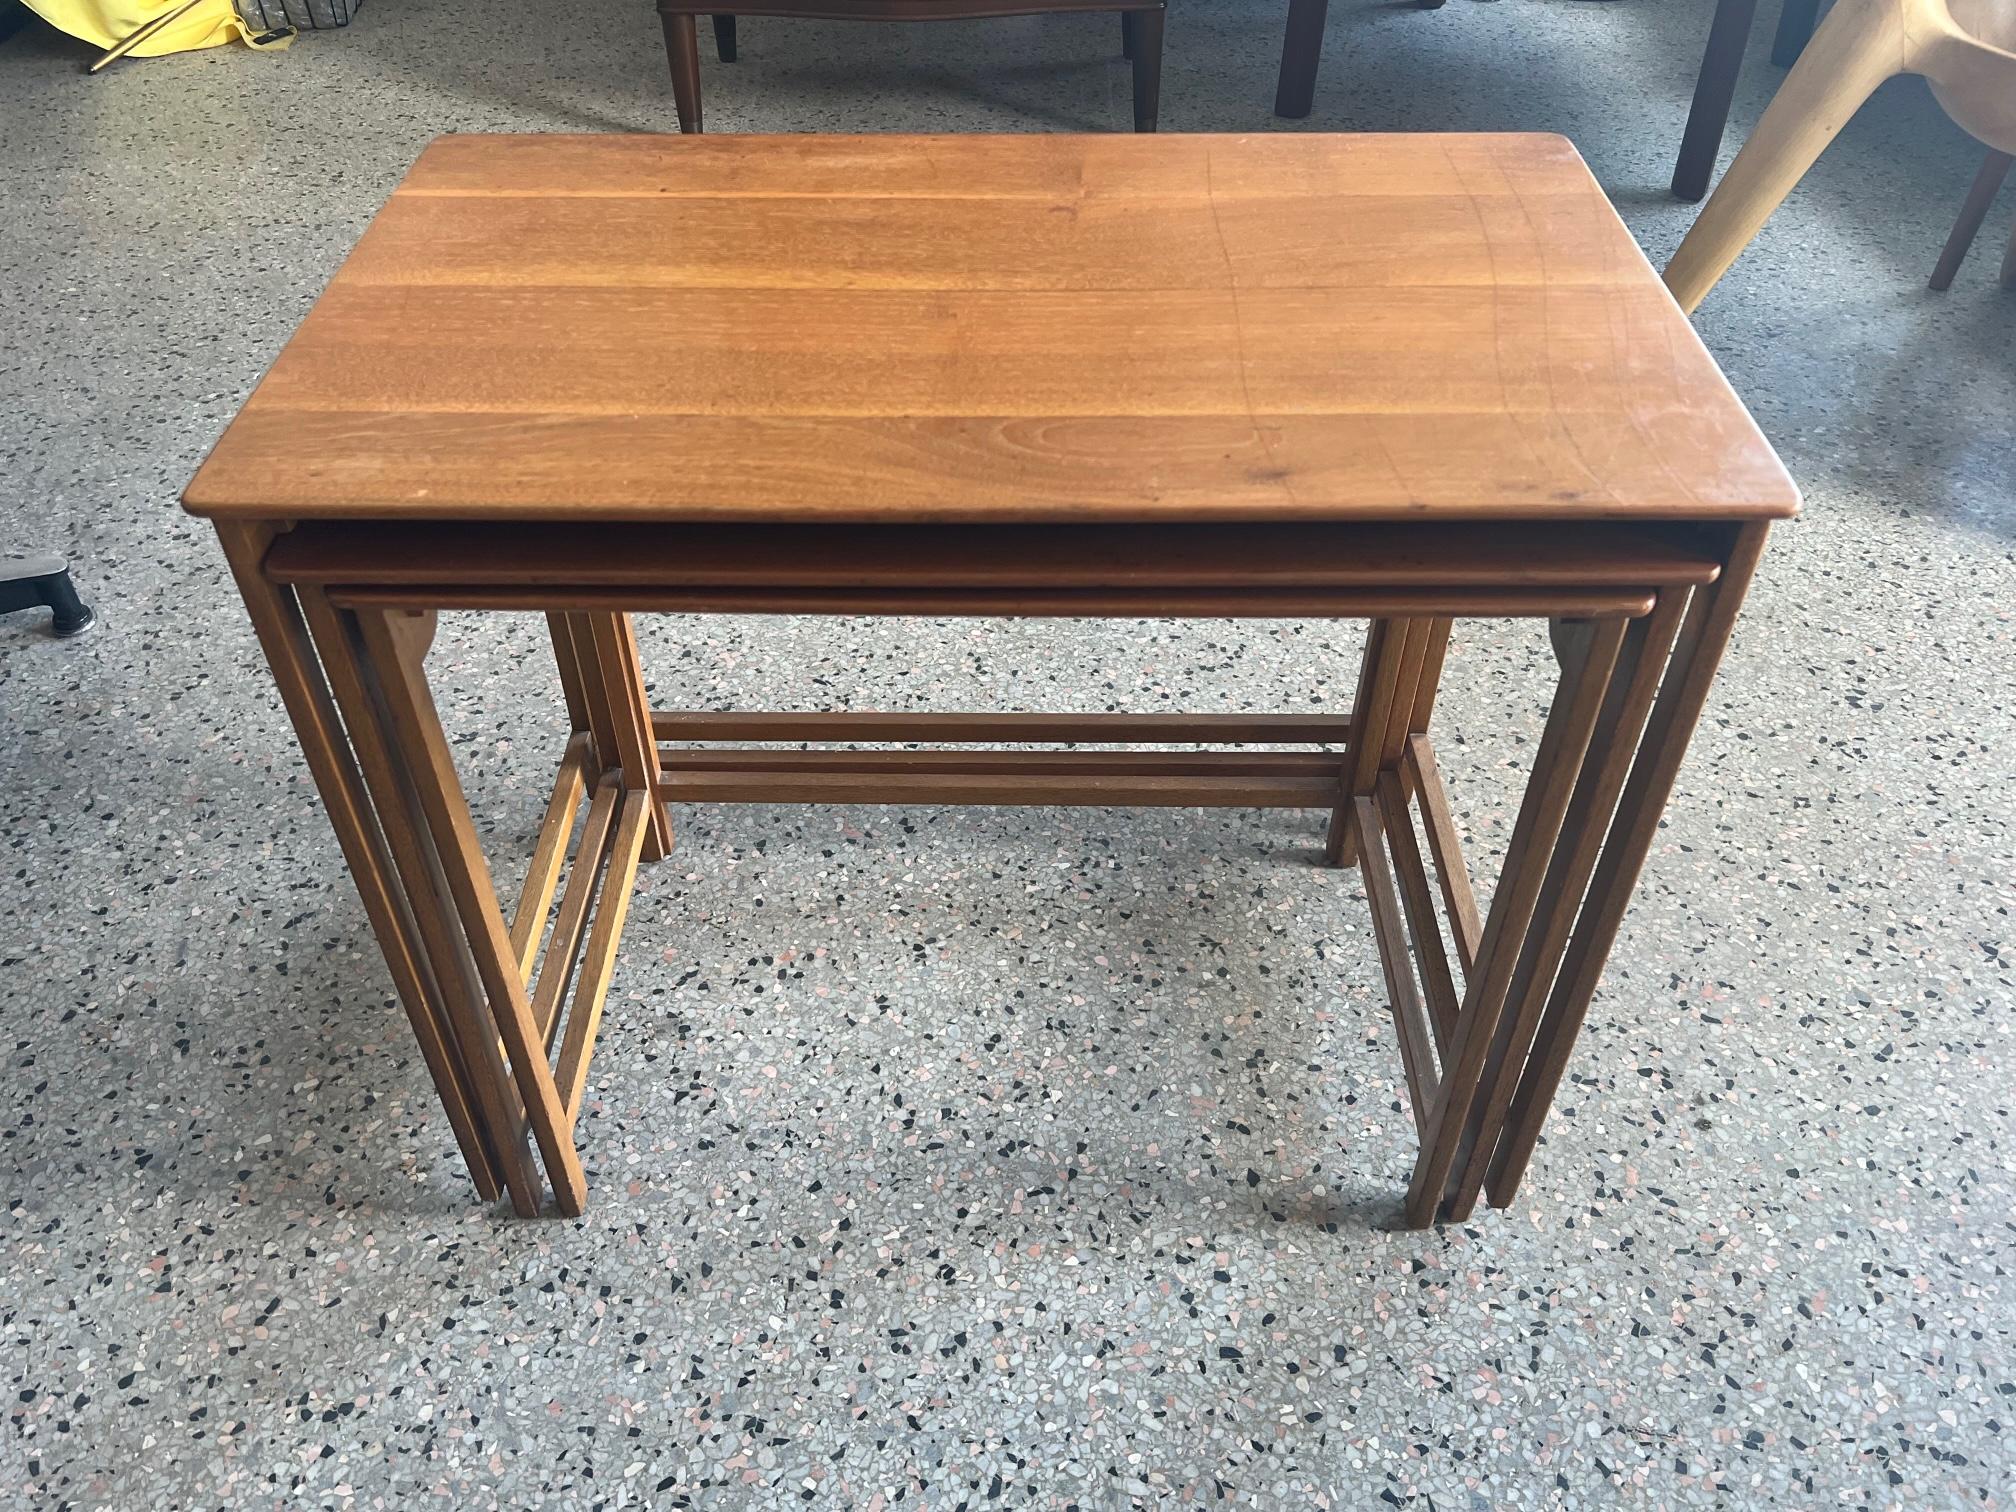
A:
1402	379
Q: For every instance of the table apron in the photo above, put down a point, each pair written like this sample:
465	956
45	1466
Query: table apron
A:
1467	602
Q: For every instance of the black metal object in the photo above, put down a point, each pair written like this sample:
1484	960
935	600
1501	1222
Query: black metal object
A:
26	582
299	15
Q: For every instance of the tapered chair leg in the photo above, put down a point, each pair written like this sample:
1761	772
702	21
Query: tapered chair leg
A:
1795	29
1714	89
1301	52
724	38
1147	67
1127	44
682	51
1987	183
1856	49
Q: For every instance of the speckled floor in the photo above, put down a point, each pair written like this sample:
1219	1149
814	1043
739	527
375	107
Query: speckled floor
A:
1022	1157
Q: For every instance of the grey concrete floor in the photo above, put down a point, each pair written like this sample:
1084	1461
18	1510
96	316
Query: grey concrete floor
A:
1045	1157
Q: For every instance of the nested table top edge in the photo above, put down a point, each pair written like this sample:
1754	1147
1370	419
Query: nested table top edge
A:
1628	455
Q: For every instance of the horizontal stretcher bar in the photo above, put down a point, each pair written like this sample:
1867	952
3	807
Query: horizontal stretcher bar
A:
1046	763
1010	603
1055	729
1395	555
1005	786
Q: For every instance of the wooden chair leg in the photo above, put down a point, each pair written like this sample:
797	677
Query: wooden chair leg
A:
1987	184
682	51
1855	49
1128	47
1147	60
1795	29
1714	89
1301	52
724	38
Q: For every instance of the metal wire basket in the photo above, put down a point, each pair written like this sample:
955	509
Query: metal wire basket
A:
301	15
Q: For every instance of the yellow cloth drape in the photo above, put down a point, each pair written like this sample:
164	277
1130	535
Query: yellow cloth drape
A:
211	23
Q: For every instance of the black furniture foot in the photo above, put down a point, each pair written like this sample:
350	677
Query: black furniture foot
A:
26	582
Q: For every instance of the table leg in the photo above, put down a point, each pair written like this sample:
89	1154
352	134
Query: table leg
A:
602	677
1578	703
573	680
1647	644
419	868
1396	685
1430	680
283	635
392	648
1682	692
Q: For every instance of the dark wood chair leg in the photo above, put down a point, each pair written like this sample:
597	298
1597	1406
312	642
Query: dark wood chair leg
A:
682	50
1987	184
1713	92
1128	46
1147	31
724	38
1301	52
1795	26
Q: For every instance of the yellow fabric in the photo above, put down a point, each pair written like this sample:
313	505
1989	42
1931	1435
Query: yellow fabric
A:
209	23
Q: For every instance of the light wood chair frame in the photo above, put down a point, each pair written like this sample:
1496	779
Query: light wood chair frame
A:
1486	1002
1859	46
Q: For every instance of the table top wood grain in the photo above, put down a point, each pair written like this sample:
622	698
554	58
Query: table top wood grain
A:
995	328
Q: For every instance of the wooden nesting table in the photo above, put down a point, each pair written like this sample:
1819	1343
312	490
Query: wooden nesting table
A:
1395	378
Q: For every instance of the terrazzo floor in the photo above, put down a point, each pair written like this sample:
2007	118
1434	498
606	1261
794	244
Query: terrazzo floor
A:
1023	1157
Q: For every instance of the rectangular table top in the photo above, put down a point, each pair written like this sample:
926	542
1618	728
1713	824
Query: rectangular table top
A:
994	329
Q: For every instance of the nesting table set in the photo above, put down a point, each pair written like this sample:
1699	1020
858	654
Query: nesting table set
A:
1403	379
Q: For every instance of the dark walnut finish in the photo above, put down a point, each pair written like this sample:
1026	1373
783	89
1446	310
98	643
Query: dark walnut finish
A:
1140	35
1404	379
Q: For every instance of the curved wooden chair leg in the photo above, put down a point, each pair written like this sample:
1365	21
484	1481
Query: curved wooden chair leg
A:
1147	31
1987	183
724	38
682	51
1858	46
